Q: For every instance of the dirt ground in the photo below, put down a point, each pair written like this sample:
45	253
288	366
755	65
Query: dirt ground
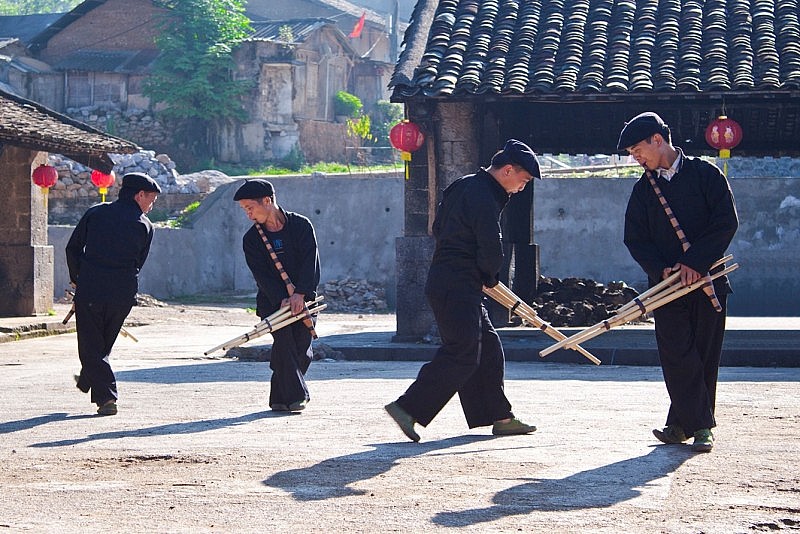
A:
196	449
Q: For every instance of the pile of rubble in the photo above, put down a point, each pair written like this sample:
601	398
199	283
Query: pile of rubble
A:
579	301
352	295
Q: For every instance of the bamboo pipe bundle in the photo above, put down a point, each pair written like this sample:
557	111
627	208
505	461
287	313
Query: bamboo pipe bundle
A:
277	320
507	298
641	305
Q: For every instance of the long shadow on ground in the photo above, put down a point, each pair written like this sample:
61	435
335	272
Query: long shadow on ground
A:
332	478
600	487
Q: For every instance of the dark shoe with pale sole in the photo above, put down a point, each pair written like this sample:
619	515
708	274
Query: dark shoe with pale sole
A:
109	408
403	420
298	406
514	427
670	434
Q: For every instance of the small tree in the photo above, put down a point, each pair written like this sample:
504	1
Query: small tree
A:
193	74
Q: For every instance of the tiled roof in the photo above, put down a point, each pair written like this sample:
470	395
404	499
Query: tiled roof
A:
119	61
26	27
301	28
579	47
30	125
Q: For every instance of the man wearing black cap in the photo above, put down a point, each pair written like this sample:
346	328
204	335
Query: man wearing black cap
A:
467	257
104	255
689	331
291	237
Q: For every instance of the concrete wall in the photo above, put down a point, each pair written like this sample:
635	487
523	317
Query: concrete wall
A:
356	220
578	228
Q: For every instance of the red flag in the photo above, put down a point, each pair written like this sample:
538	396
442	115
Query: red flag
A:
358	27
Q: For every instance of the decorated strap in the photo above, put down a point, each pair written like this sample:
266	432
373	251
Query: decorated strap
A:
285	277
708	287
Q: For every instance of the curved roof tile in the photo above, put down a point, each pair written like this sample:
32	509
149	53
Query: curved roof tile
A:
518	47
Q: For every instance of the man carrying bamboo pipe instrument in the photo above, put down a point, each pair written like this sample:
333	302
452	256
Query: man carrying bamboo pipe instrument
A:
281	251
468	255
681	217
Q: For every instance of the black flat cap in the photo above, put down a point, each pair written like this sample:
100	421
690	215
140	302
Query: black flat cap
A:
255	188
139	181
641	127
521	154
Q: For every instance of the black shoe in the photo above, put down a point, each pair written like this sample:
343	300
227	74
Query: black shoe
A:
403	420
298	406
670	434
278	407
514	427
109	408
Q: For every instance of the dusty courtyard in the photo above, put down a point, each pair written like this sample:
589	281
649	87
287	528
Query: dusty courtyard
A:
195	448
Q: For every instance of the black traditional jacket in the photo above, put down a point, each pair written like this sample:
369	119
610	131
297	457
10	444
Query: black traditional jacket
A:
701	199
469	251
106	251
296	248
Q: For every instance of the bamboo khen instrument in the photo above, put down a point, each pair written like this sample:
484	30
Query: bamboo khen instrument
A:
507	298
662	293
280	318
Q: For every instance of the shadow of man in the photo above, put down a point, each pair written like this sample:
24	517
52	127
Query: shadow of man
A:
332	478
600	487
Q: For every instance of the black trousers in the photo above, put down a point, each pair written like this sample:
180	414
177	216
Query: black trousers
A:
470	362
289	360
689	333
98	325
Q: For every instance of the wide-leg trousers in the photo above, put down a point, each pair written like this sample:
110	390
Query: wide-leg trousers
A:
689	333
98	325
470	362
289	360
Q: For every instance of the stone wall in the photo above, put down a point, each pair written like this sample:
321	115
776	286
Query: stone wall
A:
74	191
322	141
137	125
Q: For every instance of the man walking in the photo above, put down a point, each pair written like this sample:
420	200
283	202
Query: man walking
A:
467	257
105	253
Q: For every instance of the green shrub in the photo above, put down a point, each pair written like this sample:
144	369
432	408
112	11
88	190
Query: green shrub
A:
346	104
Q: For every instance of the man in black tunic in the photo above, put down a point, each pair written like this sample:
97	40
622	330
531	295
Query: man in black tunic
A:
292	238
689	331
105	253
467	257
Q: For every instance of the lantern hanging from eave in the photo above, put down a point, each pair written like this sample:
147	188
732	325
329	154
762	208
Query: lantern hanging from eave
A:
406	137
103	181
45	176
724	134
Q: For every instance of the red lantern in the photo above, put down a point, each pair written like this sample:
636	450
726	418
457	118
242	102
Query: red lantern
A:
406	137
45	176
103	181
724	134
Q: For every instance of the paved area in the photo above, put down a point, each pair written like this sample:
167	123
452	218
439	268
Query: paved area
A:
195	448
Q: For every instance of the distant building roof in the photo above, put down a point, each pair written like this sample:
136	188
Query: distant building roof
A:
118	61
29	125
583	47
301	28
26	27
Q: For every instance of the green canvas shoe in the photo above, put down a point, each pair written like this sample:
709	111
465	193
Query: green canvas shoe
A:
703	440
